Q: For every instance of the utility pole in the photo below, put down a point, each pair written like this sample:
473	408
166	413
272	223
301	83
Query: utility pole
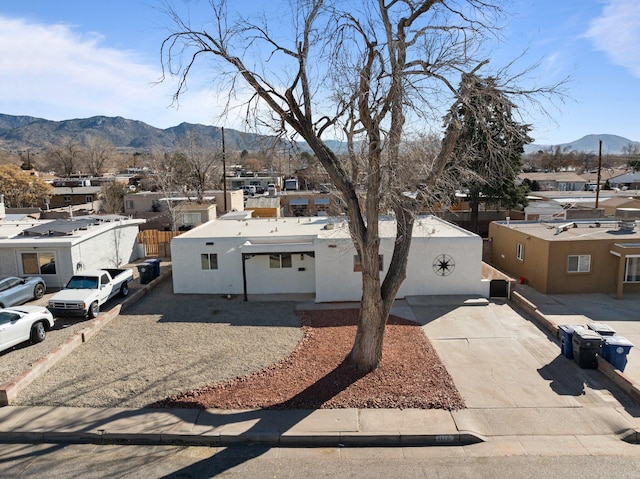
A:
599	168
224	173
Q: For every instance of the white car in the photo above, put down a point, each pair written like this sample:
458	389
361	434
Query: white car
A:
23	323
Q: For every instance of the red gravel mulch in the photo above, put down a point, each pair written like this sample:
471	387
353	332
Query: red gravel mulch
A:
315	375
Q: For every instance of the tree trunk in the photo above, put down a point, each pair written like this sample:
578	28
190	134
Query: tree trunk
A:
366	352
377	299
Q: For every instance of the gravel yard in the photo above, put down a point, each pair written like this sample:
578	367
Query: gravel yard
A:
159	347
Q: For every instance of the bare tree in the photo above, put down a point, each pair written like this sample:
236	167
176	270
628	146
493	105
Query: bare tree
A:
204	161
65	156
169	176
99	155
365	69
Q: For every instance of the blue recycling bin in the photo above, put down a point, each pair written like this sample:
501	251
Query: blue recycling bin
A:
566	336
615	350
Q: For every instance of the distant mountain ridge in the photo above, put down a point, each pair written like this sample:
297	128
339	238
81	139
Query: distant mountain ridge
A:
22	132
611	144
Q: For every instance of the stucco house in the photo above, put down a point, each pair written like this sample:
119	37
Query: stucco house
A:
556	181
57	249
579	256
240	255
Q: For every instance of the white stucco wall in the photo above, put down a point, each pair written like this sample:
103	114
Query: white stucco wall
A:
93	249
189	277
330	274
262	279
340	283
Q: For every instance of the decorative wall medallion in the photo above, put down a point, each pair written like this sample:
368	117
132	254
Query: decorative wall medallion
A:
443	265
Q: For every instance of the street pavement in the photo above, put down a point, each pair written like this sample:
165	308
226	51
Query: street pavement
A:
522	395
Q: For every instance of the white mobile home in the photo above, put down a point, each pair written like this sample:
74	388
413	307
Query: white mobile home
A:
315	255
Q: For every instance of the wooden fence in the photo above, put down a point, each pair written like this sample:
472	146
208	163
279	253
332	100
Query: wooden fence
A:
157	243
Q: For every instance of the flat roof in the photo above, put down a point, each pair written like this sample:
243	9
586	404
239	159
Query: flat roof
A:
565	231
56	231
313	226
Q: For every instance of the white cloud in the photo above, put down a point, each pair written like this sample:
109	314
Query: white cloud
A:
51	71
617	33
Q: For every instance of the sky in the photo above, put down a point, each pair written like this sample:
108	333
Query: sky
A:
65	59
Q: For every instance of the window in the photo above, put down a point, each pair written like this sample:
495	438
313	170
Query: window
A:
357	264
130	205
280	261
88	199
520	251
632	269
209	261
192	218
67	199
579	263
38	263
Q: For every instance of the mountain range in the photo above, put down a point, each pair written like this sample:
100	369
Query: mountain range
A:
26	132
611	145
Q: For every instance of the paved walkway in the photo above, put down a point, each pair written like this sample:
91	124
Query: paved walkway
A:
517	386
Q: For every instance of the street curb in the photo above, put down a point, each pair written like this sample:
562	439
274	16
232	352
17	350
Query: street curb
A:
265	438
10	389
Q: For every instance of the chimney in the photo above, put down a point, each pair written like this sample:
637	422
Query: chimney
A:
3	213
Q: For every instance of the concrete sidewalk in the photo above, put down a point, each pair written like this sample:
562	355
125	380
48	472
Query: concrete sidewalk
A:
520	392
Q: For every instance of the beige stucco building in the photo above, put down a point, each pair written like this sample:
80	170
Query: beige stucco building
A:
581	256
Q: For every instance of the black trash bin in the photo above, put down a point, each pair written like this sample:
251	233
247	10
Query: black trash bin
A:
602	329
155	263
146	272
586	347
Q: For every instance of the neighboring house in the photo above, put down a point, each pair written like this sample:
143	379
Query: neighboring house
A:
580	256
189	215
147	204
630	180
73	196
153	206
302	203
557	209
610	205
556	181
253	179
239	255
57	249
263	206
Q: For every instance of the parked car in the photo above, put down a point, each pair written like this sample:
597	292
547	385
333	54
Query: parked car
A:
23	323
249	190
14	290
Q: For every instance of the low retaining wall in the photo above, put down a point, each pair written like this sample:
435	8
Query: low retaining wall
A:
618	377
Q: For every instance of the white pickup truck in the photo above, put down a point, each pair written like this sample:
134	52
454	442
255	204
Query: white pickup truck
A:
87	291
